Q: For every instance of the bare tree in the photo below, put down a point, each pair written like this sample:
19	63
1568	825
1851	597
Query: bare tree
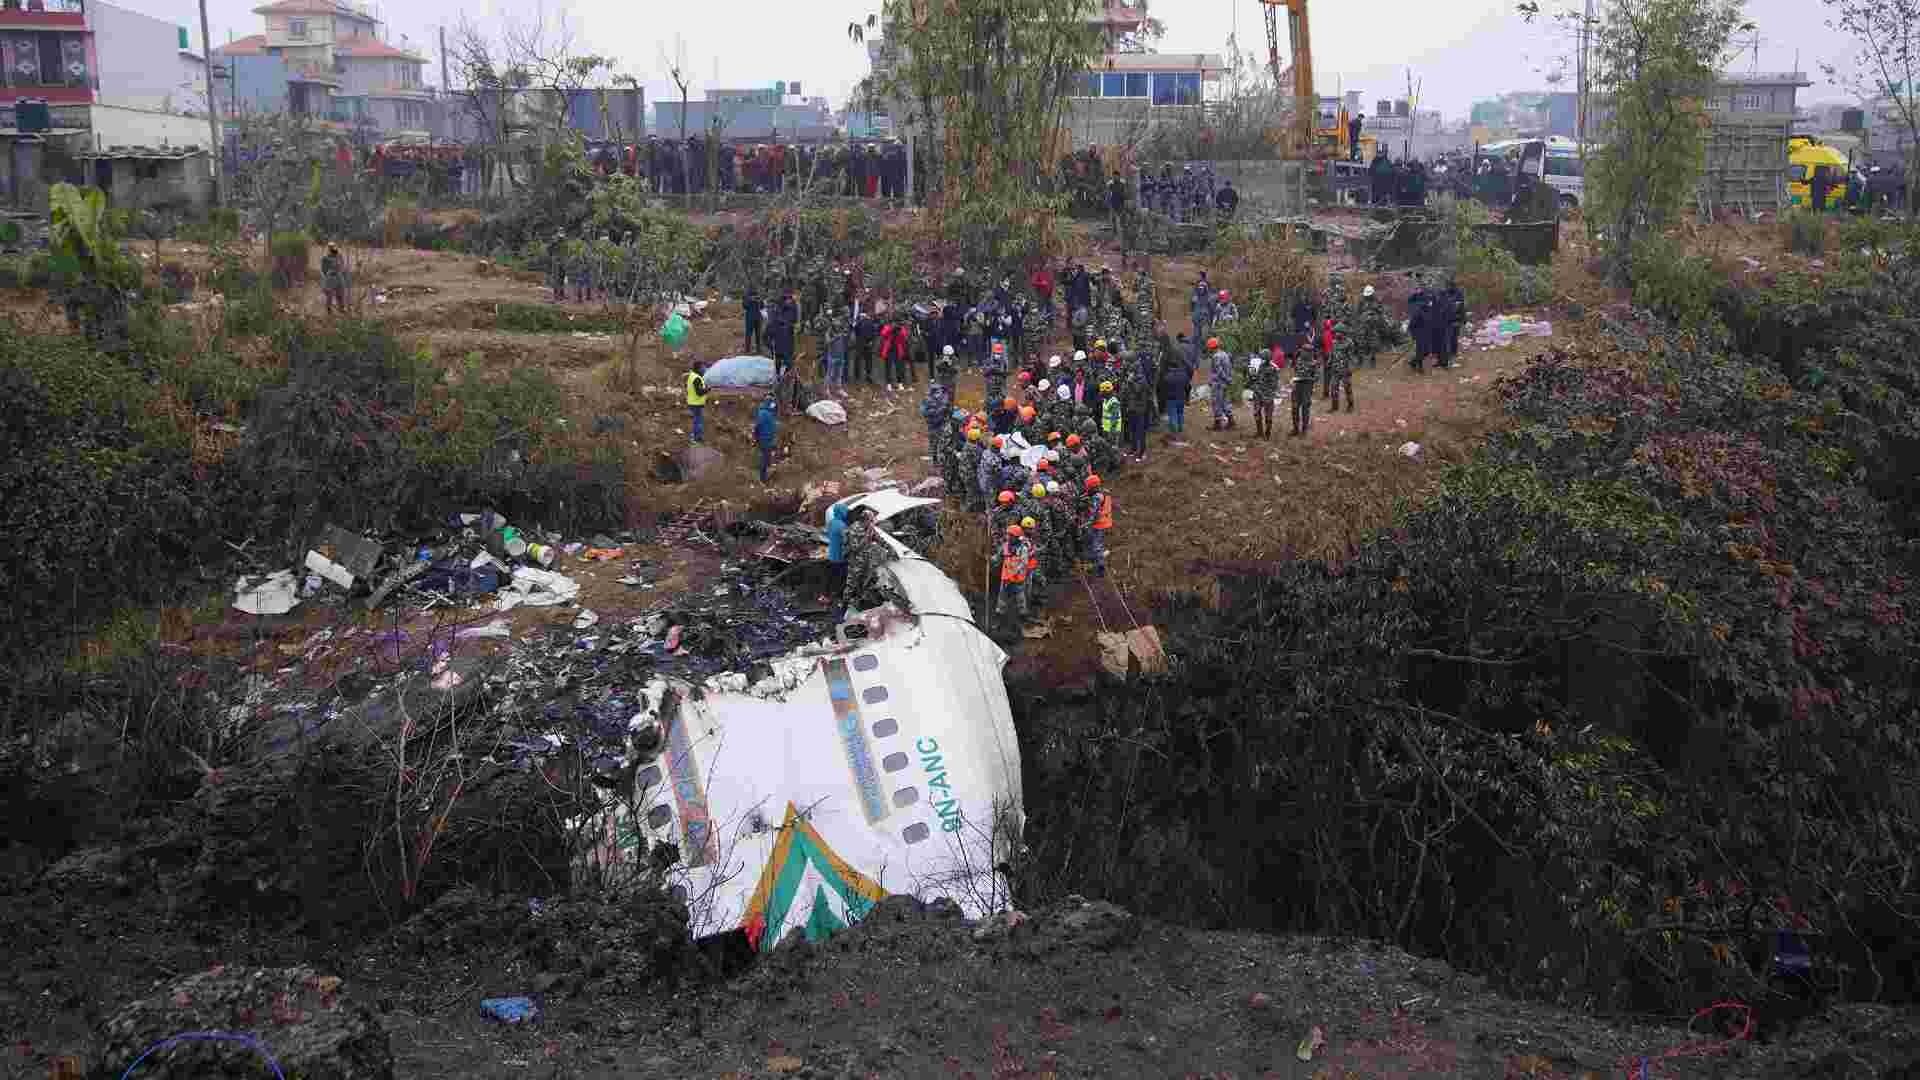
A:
520	81
1886	63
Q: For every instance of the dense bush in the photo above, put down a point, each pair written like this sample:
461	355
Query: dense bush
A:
1807	232
289	252
118	495
1634	692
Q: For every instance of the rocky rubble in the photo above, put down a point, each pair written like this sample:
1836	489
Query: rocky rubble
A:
232	1022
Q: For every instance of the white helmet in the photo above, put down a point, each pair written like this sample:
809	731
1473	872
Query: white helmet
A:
1053	487
946	350
1063	392
1079	355
1368	291
1052	454
1253	364
1045	385
1053	361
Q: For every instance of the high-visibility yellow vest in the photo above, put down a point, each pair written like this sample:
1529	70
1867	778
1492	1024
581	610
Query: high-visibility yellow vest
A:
694	397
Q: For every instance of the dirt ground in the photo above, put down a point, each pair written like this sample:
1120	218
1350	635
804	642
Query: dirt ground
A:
1202	498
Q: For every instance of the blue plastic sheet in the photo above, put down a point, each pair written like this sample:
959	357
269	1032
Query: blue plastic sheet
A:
509	1010
741	371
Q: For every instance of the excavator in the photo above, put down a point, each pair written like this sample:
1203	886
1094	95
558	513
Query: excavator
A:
1313	134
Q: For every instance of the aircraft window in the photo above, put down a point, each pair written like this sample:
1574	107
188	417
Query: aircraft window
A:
906	796
915	832
885	728
894	762
865	662
659	816
648	777
874	695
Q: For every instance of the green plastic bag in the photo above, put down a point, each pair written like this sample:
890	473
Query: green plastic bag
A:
674	331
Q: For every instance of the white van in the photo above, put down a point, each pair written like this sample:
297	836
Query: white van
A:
1566	175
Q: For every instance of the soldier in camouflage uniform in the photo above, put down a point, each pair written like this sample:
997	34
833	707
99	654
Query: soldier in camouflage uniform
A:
995	373
1220	386
1306	372
1340	367
1333	309
1266	390
1372	330
1146	307
937	410
866	553
972	446
951	455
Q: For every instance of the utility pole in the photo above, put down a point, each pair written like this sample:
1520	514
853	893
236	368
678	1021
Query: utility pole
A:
216	150
1580	80
446	84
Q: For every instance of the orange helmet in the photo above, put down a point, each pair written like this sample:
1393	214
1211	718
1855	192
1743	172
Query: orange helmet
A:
1013	531
999	441
1026	412
1053	436
1044	466
1006	498
1093	481
1073	441
1010	403
1213	343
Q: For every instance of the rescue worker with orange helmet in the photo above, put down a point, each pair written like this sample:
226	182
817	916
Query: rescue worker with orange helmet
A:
1099	523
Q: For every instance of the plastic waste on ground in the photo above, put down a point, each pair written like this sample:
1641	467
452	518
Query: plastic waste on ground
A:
830	413
741	371
509	1010
1200	391
674	330
537	588
1410	450
275	594
330	570
1500	330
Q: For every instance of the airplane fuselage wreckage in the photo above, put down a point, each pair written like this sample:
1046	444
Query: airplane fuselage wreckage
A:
880	761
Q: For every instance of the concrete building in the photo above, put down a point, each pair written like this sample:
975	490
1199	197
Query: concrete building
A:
329	61
792	120
1131	90
92	77
617	114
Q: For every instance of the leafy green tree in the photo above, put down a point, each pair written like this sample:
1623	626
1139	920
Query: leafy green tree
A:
994	76
1655	63
93	279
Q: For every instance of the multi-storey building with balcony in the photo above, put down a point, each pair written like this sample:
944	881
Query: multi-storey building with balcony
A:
329	61
95	93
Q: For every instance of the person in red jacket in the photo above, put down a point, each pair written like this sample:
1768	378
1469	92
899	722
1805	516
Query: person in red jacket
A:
893	352
1326	355
1042	282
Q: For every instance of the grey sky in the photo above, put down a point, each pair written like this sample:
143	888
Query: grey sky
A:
1459	52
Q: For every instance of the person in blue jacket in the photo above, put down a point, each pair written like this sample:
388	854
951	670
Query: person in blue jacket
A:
837	544
766	427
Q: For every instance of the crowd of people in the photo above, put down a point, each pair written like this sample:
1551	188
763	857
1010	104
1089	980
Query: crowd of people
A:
697	165
1036	455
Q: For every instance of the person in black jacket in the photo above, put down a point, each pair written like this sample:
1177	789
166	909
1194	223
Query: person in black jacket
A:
1422	317
1453	308
750	307
786	321
1306	315
865	332
1228	200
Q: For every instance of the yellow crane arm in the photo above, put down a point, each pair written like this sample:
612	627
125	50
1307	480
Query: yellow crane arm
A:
1306	101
